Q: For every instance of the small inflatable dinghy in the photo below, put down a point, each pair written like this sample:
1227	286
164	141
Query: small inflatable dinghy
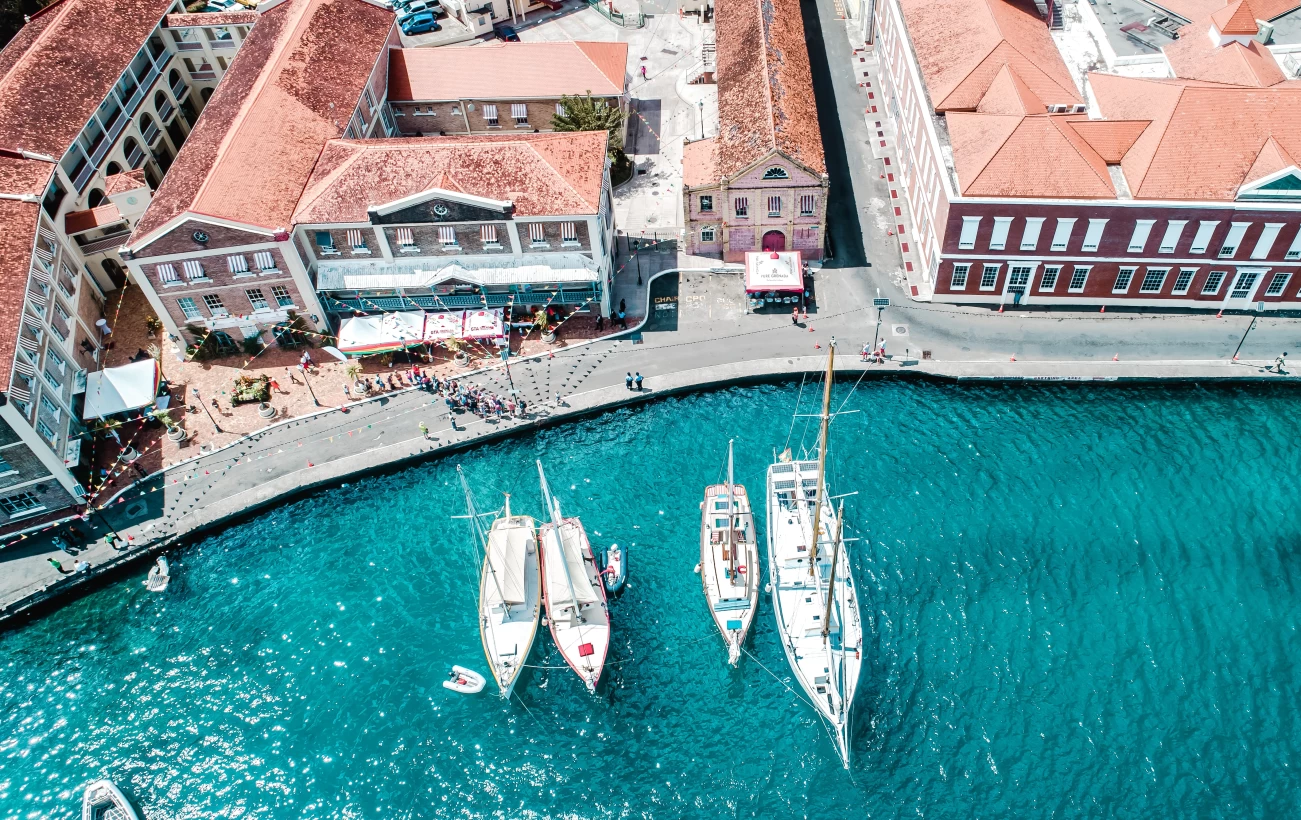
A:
159	576
103	801
615	573
465	681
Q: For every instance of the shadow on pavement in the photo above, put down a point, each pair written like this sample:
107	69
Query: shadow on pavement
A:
844	232
663	304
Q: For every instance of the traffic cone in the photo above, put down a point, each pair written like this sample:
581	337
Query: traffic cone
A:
1000	308
1012	358
1116	358
810	330
1235	357
1220	315
817	346
1104	309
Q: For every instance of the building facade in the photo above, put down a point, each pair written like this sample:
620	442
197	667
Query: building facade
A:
95	102
500	86
1166	182
762	182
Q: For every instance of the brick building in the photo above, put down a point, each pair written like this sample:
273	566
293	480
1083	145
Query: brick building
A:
94	101
762	182
1168	179
500	86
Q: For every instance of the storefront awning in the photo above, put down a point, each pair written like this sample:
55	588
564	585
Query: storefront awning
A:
365	335
118	389
483	324
781	271
439	326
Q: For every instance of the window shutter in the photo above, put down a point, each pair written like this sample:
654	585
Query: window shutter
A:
167	273
1236	231
537	233
1173	230
970	224
447	235
406	238
1093	236
568	233
490	112
1062	234
998	239
264	260
519	111
488	234
237	264
193	269
1266	241
1142	229
1203	238
1030	239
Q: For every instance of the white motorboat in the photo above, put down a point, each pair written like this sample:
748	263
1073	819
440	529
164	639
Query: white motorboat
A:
615	569
159	575
103	801
465	681
574	594
813	594
729	560
510	594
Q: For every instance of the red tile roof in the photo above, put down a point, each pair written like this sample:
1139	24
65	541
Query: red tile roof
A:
962	46
1008	94
1112	139
547	174
765	88
700	162
1236	18
125	181
75	222
292	87
501	71
1204	140
19	218
1194	57
1199	9
212	18
57	70
1005	155
1271	159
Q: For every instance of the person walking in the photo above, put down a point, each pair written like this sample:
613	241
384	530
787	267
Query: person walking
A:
1280	363
54	562
424	430
275	385
628	381
347	394
600	324
623	306
795	316
293	378
867	351
638	381
83	566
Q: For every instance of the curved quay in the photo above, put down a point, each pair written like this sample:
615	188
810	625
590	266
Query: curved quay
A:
302	454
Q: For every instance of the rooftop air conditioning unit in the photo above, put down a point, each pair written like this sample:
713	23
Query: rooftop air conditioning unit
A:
1265	32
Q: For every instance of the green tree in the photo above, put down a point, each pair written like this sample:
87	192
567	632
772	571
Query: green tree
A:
586	113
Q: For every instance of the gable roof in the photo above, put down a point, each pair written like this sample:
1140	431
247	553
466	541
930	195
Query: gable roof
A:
1236	18
1008	94
962	46
1199	9
554	173
1112	139
292	87
765	87
508	71
1271	159
700	162
1007	155
1194	57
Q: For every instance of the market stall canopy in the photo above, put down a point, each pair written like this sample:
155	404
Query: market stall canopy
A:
365	335
118	389
483	324
439	326
773	271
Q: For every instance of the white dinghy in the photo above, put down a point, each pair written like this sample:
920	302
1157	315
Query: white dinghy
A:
813	594
103	801
510	595
159	575
729	560
573	592
465	681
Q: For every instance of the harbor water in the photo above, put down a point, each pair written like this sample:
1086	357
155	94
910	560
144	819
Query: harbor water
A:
1082	601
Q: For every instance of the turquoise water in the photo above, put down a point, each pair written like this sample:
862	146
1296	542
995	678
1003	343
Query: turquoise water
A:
1084	603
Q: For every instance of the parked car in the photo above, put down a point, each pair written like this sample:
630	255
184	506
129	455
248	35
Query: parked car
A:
407	6
414	7
419	23
506	33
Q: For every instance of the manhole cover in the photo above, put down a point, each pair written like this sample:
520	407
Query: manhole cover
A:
900	330
135	509
652	218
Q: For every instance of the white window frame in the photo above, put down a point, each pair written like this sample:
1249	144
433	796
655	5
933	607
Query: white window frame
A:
1266	241
288	298
1277	284
265	261
985	270
1229	247
970	227
1159	273
956	283
568	233
1048	282
1030	238
1217	277
1124	279
1079	273
1202	241
998	237
447	237
1142	230
519	112
490	116
537	234
194	271
1294	250
221	306
248	293
237	264
708	234
1183	281
706	203
1062	233
192	315
1174	231
1093	235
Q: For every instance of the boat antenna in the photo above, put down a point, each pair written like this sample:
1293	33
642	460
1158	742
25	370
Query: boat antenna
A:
731	512
822	453
477	529
831	581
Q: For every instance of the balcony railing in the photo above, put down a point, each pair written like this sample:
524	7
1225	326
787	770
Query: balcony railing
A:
187	46
151	134
225	43
568	297
180	91
105	243
114	130
165	113
203	75
136	157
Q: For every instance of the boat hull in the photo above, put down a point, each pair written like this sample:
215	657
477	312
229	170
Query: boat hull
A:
582	632
102	796
508	635
733	599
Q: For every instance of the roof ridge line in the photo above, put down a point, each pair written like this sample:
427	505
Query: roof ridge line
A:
1160	139
579	48
967	76
1080	153
354	151
1073	90
64	9
767	74
564	178
1019	119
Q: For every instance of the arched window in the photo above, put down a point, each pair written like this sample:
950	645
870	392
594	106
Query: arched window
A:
114	272
161	102
205	93
135	155
146	124
174	78
95	198
776	172
112	168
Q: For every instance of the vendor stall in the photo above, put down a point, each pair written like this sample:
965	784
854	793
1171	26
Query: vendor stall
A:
366	335
774	277
484	324
446	325
119	389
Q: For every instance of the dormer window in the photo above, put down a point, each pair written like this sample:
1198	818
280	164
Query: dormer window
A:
776	172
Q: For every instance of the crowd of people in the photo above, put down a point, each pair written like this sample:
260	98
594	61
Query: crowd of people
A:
458	397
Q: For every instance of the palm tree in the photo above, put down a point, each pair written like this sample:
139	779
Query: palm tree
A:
586	113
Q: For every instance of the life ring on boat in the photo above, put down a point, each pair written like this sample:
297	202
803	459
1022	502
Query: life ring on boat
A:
741	568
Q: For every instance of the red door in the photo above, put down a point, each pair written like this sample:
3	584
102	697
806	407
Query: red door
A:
774	241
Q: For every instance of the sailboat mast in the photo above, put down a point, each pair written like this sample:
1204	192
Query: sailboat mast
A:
731	512
553	507
822	455
831	582
477	530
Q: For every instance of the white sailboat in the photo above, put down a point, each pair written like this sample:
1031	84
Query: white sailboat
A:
510	589
573	592
729	560
813	594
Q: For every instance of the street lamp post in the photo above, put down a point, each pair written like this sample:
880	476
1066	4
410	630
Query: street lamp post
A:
308	382
701	104
636	252
199	399
880	309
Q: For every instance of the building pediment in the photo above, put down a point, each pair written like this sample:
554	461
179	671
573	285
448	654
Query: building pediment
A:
1282	184
441	205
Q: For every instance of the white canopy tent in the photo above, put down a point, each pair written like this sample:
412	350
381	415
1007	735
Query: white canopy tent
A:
439	326
484	324
774	271
119	389
364	335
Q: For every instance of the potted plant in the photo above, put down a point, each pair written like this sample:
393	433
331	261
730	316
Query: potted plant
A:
250	389
153	326
353	371
266	411
457	349
174	431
